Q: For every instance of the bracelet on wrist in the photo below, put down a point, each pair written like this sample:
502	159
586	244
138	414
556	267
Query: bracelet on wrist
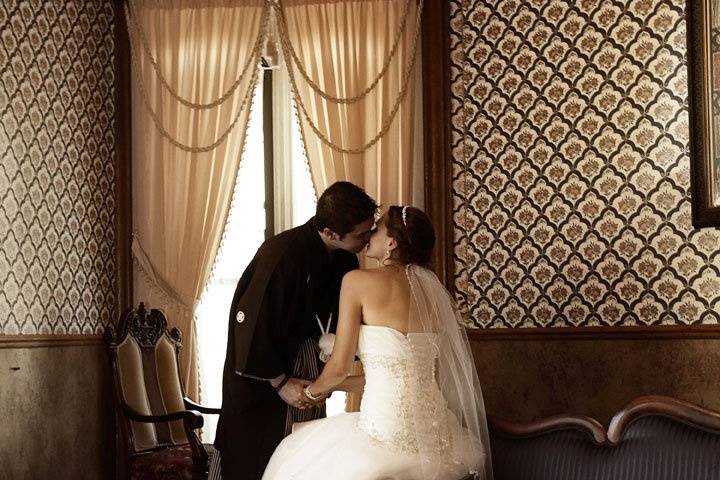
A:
312	397
282	383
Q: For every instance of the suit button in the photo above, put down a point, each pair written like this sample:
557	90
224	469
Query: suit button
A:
240	317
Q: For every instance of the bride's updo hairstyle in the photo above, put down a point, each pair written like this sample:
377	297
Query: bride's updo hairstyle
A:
415	236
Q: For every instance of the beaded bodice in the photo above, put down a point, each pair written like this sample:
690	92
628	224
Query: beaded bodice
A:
401	399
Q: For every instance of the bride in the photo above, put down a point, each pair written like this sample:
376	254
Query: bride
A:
422	415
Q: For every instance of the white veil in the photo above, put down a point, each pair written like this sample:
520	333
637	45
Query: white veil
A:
432	310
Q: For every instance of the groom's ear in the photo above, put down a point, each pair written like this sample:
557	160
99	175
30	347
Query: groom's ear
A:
330	234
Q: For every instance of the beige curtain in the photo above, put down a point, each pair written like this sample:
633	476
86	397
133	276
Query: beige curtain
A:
343	46
190	111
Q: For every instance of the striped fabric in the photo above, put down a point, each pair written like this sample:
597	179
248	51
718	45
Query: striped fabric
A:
654	448
151	385
306	367
215	472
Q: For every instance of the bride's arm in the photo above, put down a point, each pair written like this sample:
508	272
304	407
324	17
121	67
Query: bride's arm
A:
352	384
339	366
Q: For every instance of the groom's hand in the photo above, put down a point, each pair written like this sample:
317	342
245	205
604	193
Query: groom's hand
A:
292	393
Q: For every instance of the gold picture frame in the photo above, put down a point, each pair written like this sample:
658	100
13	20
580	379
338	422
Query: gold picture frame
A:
703	34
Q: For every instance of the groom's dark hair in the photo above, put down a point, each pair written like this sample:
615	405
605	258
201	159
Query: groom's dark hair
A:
342	206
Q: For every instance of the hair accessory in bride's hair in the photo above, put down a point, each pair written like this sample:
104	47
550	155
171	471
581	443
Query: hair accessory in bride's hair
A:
404	216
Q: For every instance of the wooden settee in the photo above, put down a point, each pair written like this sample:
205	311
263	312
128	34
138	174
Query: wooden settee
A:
652	438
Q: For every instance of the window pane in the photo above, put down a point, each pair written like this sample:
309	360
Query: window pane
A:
303	191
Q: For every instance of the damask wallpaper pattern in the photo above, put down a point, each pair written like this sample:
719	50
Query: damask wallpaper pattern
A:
570	166
57	210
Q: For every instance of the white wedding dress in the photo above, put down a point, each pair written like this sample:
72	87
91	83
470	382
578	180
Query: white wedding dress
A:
381	441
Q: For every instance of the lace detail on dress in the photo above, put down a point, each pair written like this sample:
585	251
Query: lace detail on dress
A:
404	428
398	434
397	388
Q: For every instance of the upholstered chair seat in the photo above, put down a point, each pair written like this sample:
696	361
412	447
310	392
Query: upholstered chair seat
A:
158	421
172	463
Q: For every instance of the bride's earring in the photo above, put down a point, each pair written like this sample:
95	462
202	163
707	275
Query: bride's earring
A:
385	258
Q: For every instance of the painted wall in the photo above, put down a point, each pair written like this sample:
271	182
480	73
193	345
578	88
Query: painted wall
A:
530	378
57	414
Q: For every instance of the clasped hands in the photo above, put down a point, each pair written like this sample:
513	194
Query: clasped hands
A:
292	394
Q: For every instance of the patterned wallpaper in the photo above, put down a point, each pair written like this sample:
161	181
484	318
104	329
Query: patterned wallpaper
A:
571	168
57	211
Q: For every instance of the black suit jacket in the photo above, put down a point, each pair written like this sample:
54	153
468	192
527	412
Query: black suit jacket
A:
291	279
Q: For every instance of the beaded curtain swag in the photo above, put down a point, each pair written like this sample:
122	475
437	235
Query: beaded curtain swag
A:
404	43
247	77
353	69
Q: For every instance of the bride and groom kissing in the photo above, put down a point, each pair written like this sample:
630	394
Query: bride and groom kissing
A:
421	416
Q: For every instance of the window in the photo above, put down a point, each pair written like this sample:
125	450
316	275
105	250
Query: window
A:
291	195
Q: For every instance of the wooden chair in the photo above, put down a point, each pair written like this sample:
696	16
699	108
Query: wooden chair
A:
157	420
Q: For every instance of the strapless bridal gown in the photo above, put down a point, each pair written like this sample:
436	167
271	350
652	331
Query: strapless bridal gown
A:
380	441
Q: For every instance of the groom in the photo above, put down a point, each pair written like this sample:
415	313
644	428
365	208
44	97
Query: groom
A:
272	336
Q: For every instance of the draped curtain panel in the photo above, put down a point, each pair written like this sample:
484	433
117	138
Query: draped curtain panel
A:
194	69
354	70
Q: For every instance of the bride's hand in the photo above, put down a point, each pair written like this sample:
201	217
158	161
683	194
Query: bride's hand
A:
292	393
317	399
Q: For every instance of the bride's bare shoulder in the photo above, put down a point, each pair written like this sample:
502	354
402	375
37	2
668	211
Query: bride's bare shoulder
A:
356	276
361	278
372	281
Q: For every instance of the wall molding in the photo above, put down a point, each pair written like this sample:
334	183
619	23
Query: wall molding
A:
123	162
437	134
664	332
45	341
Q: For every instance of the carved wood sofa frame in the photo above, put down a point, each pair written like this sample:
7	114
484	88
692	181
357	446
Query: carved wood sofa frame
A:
610	439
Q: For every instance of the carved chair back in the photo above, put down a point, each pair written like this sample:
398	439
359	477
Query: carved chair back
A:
144	357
